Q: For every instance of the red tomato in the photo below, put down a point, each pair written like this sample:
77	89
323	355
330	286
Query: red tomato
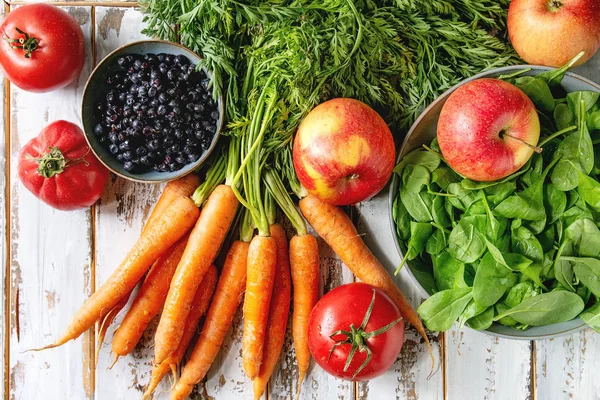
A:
42	48
58	167
337	322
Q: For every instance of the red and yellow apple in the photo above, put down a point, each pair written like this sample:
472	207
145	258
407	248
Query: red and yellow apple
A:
487	129
552	32
343	152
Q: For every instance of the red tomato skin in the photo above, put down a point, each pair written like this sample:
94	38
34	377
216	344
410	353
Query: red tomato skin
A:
346	305
60	55
80	185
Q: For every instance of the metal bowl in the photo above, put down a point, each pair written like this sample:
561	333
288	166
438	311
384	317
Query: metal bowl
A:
422	132
94	90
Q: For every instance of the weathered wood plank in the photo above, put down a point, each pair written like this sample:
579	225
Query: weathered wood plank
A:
410	377
120	216
50	257
317	384
567	368
483	366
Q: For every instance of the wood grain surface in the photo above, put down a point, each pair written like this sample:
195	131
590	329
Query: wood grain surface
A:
52	261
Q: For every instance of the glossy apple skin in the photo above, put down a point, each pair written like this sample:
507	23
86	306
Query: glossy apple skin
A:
344	152
549	35
470	126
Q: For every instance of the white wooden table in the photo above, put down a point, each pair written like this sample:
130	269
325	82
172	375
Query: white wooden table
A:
52	261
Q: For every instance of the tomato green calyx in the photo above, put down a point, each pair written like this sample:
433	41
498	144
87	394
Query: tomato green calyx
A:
357	338
54	162
28	44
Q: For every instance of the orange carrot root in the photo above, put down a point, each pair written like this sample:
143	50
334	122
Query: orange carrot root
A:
262	263
278	313
168	228
200	304
149	300
183	186
226	300
304	261
202	247
334	226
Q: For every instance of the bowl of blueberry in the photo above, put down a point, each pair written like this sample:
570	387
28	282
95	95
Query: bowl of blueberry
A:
148	112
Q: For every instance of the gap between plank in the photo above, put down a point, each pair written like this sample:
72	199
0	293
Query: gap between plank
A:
6	292
94	343
533	369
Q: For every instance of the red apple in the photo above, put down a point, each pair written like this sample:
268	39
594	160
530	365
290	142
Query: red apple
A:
552	32
488	129
343	152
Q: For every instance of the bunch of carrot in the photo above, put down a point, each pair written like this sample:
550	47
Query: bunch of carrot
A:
177	248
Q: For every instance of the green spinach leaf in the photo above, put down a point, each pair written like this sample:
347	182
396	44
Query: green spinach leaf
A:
466	243
419	157
563	116
482	321
538	91
443	308
414	178
418	205
591	316
587	270
546	309
448	272
492	280
555	202
585	237
436	242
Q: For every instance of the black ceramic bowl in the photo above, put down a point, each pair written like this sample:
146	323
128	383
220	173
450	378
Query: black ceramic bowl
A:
95	91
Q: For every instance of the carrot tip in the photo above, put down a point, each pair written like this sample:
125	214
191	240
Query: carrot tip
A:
50	346
114	361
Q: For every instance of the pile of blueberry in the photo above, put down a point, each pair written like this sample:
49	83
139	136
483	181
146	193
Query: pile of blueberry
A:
158	113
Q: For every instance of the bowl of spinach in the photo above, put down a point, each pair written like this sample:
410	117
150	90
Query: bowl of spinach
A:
520	257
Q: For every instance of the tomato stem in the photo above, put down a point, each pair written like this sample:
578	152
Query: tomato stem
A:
357	338
54	162
28	44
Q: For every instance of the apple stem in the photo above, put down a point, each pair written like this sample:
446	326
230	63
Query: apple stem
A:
532	147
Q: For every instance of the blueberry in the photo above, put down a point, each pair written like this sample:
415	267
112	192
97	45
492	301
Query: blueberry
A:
198	108
151	113
113	148
152	92
121	137
193	157
163	98
145	160
98	129
124	145
177	110
178	133
162	67
136	123
181	59
173	167
113	137
147	131
110	96
142	92
214	115
119	157
181	159
122	62
128	165
127	156
153	144
157	125
137	64
140	151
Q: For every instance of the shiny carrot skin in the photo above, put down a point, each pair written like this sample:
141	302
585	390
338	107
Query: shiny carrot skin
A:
226	300
279	312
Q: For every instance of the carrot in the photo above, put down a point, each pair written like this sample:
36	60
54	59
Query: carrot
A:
149	300
334	226
262	262
202	247
168	228
226	300
304	259
278	313
107	319
183	186
200	304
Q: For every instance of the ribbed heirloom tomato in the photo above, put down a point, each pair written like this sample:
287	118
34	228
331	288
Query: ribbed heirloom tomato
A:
58	167
355	332
42	47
